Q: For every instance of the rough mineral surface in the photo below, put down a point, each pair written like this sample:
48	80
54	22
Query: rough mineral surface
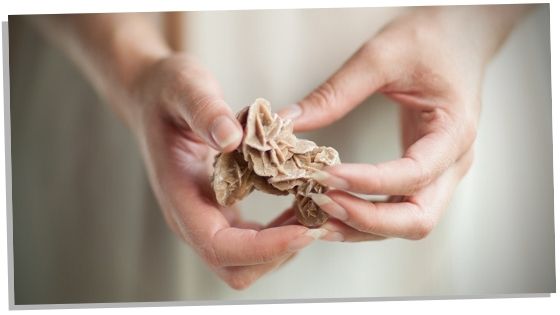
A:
271	159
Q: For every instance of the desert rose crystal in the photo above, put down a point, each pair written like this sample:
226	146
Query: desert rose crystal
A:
273	160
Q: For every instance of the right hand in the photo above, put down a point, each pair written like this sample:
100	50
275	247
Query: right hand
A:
179	118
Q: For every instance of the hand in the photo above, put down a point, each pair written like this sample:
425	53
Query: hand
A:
431	63
178	113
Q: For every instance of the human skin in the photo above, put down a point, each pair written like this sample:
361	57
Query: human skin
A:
431	62
175	109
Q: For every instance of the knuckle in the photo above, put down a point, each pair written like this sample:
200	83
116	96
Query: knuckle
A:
372	52
470	131
324	97
374	181
181	77
467	130
179	80
370	227
423	226
213	261
421	179
369	222
368	48
466	162
469	159
212	257
186	72
174	81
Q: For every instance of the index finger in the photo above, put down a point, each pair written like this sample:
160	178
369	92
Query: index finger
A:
359	77
424	161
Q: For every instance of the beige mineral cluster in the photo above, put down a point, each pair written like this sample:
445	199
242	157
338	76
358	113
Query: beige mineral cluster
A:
271	159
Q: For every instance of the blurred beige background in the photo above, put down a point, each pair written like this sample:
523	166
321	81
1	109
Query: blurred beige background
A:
86	227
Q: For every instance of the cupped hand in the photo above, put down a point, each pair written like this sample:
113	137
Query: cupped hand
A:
431	69
180	119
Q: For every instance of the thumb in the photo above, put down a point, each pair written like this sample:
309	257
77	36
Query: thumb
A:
211	118
196	97
358	78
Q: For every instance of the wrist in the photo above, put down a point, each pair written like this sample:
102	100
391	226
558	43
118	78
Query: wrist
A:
140	90
480	29
134	50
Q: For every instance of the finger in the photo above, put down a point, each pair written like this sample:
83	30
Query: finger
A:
358	78
241	277
237	247
404	220
208	231
249	225
196	96
342	232
334	234
413	218
424	161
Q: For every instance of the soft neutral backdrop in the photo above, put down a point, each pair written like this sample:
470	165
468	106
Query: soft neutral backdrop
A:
87	229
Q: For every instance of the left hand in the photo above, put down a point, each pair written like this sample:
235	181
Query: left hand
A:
426	64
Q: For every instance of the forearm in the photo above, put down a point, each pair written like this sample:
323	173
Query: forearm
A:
111	49
481	29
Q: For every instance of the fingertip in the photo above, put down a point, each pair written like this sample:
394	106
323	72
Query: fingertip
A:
337	170
293	230
326	178
327	204
333	237
300	117
226	133
306	239
291	112
283	233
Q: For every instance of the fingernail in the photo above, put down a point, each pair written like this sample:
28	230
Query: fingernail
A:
306	239
329	206
316	233
333	237
329	179
225	132
291	112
